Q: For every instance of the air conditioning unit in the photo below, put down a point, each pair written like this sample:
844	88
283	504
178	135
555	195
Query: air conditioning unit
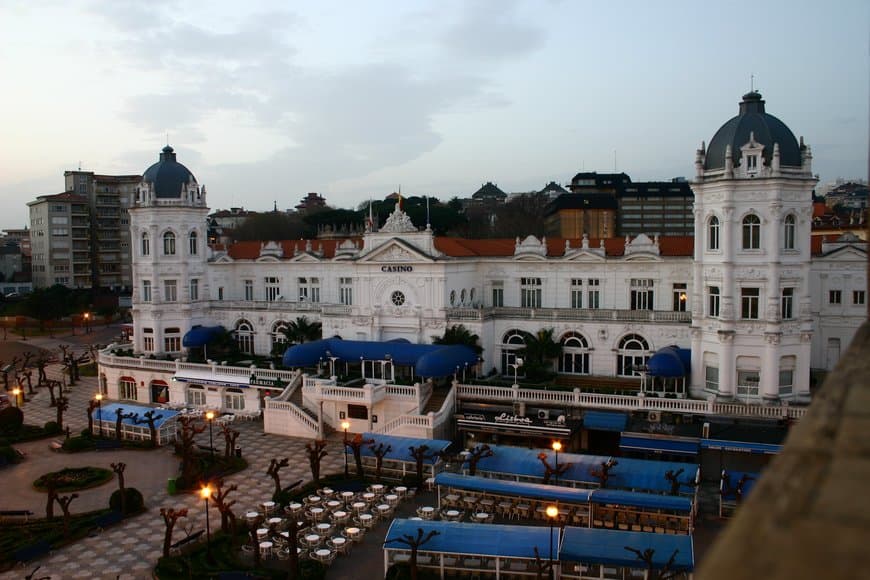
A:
544	414
654	417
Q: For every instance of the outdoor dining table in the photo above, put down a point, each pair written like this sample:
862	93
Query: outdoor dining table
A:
265	547
352	533
316	511
427	512
401	490
452	514
383	508
368	496
359	506
481	516
312	539
451	498
377	487
332	504
323	528
261	532
268	505
275	521
391	498
322	554
328	491
347	495
313	499
366	519
339	542
295	507
252	515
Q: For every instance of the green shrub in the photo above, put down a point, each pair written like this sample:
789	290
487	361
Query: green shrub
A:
75	478
51	428
76	444
86	433
7	455
11	420
135	501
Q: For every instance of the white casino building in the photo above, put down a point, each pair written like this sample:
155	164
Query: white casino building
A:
754	298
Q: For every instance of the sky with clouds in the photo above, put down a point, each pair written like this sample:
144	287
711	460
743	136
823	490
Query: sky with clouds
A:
267	100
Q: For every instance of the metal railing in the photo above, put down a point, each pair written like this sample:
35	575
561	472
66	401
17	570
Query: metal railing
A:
563	314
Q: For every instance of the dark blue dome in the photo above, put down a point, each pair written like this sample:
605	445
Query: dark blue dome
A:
766	128
168	175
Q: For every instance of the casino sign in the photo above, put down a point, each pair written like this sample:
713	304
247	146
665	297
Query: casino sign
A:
508	424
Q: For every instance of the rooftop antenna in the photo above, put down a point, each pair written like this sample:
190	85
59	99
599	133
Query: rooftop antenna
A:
167	137
752	82
80	165
428	223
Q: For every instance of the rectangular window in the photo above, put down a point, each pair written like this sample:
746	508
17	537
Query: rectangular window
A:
681	297
220	292
835	296
858	297
194	289
234	399
148	344
170	291
273	288
593	293
249	289
787	304
711	378
345	291
713	301
530	292
196	396
786	381
146	290
497	293
172	344
127	390
577	293
314	290
303	289
357	412
747	383
749	303
641	294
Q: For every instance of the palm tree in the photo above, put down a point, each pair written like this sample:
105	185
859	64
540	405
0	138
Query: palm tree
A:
458	334
301	330
539	352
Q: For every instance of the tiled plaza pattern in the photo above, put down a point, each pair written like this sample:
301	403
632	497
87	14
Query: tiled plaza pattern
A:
130	549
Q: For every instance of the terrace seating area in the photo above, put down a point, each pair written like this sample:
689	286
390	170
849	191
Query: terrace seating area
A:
463	549
328	522
398	462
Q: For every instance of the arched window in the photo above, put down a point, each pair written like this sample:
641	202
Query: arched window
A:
512	341
234	399
788	233
245	337
127	389
575	354
168	244
146	244
751	232
193	240
279	338
196	395
713	233
632	355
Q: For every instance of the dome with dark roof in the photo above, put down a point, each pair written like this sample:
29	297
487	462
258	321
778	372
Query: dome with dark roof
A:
168	175
767	130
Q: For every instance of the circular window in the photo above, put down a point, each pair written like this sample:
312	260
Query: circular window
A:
397	298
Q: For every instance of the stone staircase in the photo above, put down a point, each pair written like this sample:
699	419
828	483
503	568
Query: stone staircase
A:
436	399
296	399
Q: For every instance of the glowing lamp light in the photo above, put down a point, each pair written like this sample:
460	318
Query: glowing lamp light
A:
205	492
557	446
209	415
345	425
552	511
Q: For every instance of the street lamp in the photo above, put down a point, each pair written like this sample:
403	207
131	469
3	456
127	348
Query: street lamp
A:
15	392
552	513
345	426
99	398
209	416
87	316
518	362
205	493
557	447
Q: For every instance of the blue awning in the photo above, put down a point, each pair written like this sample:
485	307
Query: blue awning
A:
642	500
605	421
401	446
634	474
107	412
201	335
658	445
475	539
603	546
740	446
667	362
537	491
428	360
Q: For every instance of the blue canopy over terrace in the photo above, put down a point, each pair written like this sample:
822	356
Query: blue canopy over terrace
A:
400	446
428	360
602	546
201	335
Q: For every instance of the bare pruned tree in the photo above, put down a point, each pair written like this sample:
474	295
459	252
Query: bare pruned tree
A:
550	470
230	438
274	469
64	501
602	474
170	517
414	543
185	446
150	419
479	452
356	445
380	451
119	469
663	572
225	506
316	451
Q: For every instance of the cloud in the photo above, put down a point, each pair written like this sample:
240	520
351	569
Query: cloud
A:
343	122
